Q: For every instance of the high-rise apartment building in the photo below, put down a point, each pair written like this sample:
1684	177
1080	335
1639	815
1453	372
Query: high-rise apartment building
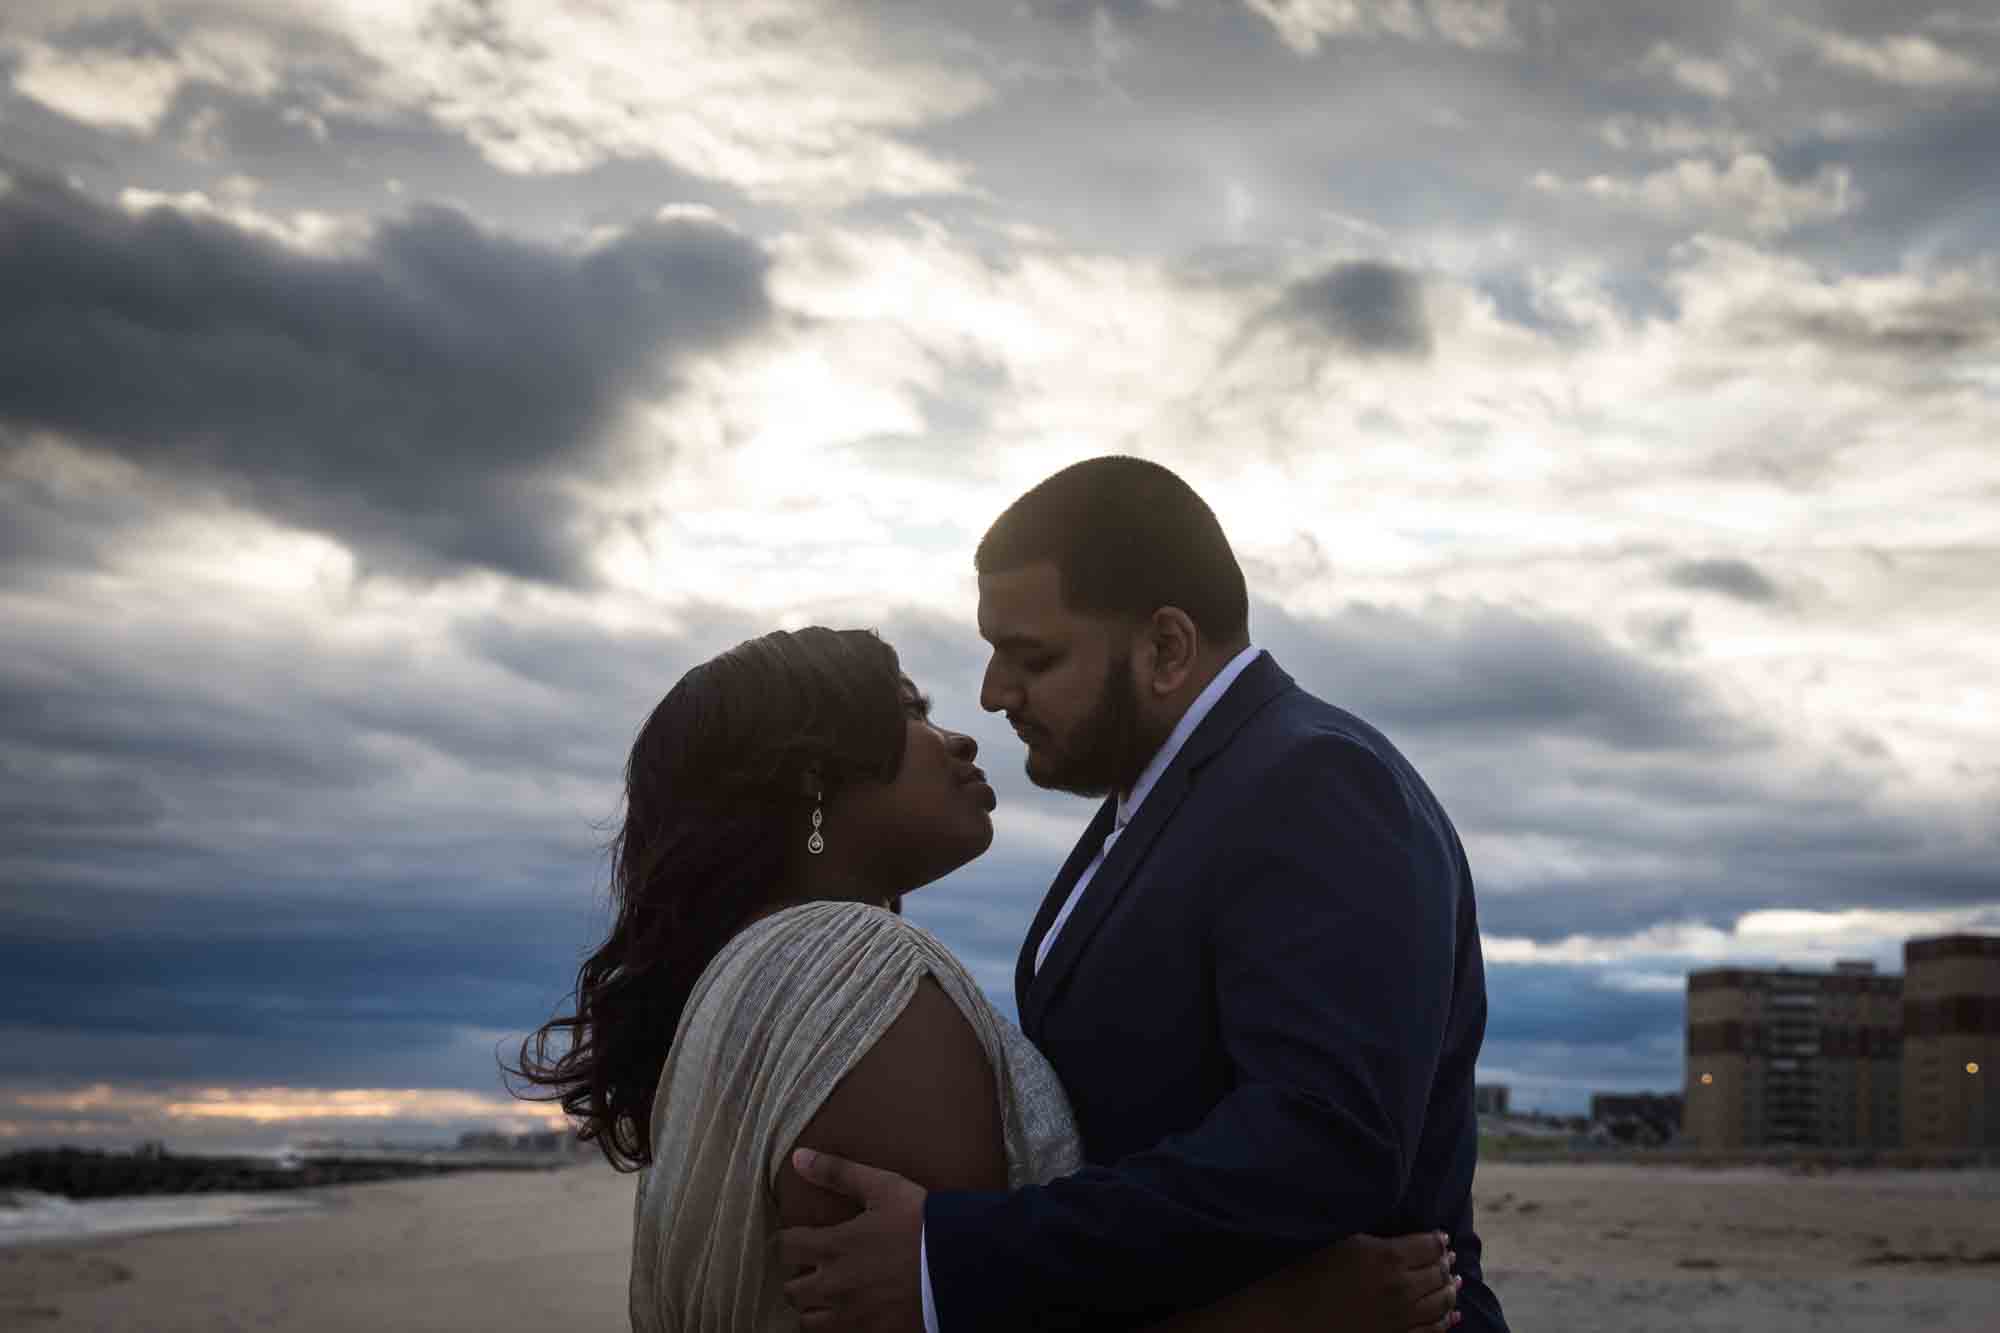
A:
1951	1042
1786	1058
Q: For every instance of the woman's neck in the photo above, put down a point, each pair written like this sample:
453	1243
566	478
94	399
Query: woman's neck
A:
822	885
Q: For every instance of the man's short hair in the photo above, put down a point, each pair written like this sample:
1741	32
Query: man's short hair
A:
1128	537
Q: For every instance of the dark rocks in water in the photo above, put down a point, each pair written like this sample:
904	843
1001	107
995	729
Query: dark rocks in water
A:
80	1173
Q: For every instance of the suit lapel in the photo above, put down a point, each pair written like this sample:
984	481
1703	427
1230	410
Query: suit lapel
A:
1259	683
1106	886
1080	856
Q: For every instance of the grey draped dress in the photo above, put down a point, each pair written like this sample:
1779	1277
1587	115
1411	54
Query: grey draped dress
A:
781	1015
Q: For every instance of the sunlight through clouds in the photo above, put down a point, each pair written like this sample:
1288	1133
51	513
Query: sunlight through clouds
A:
545	87
399	398
1794	938
300	1109
131	91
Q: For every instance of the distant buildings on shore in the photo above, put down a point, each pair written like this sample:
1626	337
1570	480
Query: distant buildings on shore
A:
535	1141
1638	1117
1848	1058
1951	1042
1645	1119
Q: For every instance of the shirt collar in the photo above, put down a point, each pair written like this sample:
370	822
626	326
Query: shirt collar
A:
1129	802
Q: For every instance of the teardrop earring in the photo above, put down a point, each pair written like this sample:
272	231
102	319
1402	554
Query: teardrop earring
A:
816	844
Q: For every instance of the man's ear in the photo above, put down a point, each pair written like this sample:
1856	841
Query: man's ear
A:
1172	644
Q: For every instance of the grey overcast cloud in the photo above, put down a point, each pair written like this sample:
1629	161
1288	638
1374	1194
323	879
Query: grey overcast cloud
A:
396	396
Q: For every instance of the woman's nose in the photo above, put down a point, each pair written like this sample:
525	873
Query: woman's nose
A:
961	746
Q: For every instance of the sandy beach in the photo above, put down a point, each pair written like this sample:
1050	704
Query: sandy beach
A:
1637	1248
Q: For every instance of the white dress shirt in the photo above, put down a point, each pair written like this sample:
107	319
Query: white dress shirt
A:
1128	806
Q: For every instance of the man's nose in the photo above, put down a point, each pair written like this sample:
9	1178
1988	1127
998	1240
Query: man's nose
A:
991	691
995	691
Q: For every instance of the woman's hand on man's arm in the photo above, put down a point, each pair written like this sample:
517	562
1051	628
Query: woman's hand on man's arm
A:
1364	1284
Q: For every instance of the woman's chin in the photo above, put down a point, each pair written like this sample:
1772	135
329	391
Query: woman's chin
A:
974	846
979	840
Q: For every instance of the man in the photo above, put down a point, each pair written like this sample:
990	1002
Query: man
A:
1258	974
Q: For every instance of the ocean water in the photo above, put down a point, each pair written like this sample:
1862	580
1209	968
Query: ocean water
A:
28	1217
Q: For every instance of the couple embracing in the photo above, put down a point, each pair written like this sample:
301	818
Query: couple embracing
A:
1240	1094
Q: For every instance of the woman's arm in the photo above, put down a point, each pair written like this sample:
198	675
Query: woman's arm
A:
1363	1284
923	1103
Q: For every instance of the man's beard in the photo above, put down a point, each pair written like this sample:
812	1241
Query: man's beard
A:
1110	747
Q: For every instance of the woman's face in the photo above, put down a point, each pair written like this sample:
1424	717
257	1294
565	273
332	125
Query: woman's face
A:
934	817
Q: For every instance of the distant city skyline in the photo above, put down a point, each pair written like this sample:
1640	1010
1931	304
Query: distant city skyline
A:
395	399
1851	1058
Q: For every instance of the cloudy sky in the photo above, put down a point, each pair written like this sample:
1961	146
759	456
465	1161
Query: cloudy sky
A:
396	397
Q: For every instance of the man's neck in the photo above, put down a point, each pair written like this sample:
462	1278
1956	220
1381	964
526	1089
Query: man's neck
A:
1208	666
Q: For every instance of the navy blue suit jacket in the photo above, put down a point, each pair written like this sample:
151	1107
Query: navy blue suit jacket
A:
1266	1008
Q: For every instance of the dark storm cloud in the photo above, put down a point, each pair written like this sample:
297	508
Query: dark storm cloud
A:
171	730
1918	330
1573	1004
1732	578
320	143
227	969
322	146
118	34
228	834
258	851
1087	11
1478	669
1541	732
1559	1078
360	945
1364	306
1671	634
1712	889
422	400
1946	333
45	527
1704	840
203	997
1383	143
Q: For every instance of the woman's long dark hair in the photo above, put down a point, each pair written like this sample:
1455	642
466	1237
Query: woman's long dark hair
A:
715	801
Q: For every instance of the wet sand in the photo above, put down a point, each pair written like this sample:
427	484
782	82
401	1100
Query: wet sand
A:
1638	1248
485	1251
1652	1249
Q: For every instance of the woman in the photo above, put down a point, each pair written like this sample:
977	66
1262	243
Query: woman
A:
759	992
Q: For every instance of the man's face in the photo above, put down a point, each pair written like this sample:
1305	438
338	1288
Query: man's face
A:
1065	682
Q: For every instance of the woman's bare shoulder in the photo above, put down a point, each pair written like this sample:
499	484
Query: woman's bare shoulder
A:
922	1102
779	948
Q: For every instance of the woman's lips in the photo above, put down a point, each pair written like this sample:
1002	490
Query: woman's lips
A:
982	790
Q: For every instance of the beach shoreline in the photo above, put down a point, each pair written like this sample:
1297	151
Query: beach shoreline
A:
1646	1247
490	1249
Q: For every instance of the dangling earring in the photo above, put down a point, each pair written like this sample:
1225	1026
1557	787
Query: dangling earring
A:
816	844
